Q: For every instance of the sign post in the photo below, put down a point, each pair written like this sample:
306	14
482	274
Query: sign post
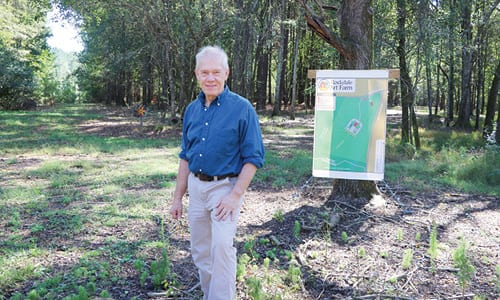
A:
350	124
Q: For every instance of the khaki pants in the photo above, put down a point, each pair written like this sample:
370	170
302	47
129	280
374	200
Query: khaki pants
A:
211	240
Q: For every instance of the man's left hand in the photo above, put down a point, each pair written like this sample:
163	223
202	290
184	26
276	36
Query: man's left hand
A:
227	207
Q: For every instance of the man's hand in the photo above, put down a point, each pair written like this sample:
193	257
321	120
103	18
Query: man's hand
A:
176	209
227	207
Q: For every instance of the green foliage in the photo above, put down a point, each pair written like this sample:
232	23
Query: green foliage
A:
26	64
361	252
294	276
241	267
296	229
433	245
161	276
407	259
278	216
65	198
399	235
462	163
286	168
254	286
17	80
345	237
462	262
249	248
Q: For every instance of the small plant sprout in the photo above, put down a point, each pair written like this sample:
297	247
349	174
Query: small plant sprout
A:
296	229
266	263
465	267
399	235
433	246
249	248
293	276
407	259
361	252
278	216
345	237
241	267
255	290
418	237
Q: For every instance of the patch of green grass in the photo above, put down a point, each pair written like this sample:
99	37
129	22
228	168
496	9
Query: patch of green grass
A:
71	184
20	265
471	171
447	160
286	168
63	221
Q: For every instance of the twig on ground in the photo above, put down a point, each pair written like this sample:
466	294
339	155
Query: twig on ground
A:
383	296
456	297
176	296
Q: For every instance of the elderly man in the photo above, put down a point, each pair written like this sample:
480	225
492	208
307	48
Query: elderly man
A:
221	150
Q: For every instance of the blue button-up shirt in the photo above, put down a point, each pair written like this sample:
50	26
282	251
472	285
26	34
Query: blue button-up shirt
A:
221	138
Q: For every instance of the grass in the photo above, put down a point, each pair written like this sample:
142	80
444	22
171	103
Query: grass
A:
448	160
63	183
78	198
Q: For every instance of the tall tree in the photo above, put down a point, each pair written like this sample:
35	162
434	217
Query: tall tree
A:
451	62
465	105
26	64
409	130
492	99
278	97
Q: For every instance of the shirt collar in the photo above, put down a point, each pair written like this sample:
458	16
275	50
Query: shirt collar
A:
219	100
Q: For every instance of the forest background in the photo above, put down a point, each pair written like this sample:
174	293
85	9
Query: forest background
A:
82	185
142	52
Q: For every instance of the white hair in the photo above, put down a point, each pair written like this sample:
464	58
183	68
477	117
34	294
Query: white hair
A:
212	51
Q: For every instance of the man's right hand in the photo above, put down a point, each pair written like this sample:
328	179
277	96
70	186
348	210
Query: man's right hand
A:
176	209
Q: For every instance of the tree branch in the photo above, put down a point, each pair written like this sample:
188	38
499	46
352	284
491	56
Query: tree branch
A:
316	23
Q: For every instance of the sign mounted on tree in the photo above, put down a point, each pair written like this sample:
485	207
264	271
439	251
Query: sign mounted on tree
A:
350	124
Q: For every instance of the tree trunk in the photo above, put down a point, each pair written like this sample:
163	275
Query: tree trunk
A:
490	106
280	63
451	62
465	107
262	58
356	28
294	72
406	85
261	81
497	133
240	48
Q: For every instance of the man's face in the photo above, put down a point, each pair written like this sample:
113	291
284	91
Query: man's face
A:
211	76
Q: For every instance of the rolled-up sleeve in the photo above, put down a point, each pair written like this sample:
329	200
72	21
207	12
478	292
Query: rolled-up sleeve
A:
251	145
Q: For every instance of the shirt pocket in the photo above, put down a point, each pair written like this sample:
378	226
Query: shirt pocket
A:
225	140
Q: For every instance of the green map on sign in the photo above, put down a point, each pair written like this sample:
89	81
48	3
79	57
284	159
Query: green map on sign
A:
344	135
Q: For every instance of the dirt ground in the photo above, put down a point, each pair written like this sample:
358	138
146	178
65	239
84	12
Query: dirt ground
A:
367	262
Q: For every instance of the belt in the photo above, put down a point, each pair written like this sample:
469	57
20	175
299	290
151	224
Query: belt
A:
204	177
